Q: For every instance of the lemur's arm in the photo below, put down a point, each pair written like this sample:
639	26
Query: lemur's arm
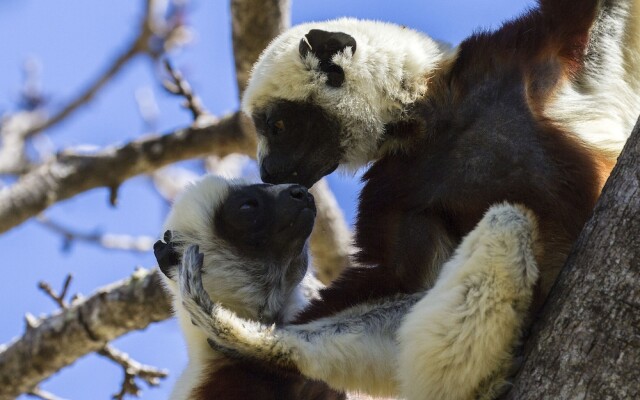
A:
457	338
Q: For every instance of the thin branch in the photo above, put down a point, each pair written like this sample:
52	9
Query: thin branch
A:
132	370
109	241
53	342
42	394
180	87
58	298
152	31
72	173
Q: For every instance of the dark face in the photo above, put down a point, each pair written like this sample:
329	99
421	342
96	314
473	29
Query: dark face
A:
303	143
266	221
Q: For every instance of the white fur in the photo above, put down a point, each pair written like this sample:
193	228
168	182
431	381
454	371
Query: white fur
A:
227	278
460	336
603	103
454	341
389	70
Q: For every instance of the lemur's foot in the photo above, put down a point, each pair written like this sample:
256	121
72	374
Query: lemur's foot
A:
166	255
508	233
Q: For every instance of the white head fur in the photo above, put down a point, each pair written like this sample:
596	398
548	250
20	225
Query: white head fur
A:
389	71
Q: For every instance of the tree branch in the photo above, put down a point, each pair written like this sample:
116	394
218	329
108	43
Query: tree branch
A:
70	173
43	395
106	240
254	24
132	370
86	326
151	32
589	330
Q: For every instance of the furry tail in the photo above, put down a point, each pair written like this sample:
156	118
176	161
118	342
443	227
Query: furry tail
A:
602	103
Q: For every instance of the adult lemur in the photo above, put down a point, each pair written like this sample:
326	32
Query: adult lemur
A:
533	113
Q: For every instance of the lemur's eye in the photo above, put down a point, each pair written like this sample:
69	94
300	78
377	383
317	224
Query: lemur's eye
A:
276	127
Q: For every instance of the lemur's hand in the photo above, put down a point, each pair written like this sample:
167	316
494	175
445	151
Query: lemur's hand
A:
166	254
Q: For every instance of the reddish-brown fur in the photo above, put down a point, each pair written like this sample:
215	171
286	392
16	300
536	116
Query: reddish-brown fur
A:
235	380
477	139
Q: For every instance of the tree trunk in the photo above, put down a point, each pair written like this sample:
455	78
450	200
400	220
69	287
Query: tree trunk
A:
586	342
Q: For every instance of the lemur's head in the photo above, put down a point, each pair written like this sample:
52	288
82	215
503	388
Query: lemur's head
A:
253	237
321	94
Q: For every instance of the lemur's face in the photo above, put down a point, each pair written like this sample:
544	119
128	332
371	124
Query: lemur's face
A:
286	158
322	95
253	238
266	221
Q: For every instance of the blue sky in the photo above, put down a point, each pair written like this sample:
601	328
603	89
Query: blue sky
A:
74	40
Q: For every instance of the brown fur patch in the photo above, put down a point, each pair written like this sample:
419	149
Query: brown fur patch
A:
231	380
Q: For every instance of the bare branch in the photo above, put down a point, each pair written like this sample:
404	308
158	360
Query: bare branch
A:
152	30
42	394
254	24
158	32
107	240
179	86
132	369
58	298
72	173
54	342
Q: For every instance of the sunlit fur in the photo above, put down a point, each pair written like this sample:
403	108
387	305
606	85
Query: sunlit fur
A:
248	288
603	103
389	70
454	341
459	337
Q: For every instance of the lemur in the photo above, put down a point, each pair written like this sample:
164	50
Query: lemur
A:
463	330
254	238
534	112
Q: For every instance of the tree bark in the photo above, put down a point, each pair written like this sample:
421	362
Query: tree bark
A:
254	24
586	342
54	342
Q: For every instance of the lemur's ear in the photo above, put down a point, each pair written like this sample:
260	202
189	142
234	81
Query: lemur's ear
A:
325	45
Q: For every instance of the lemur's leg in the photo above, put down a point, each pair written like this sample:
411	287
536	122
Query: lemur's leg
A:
456	343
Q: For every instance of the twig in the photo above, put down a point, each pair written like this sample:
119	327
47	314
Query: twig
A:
42	394
132	370
108	241
179	86
150	40
58	298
